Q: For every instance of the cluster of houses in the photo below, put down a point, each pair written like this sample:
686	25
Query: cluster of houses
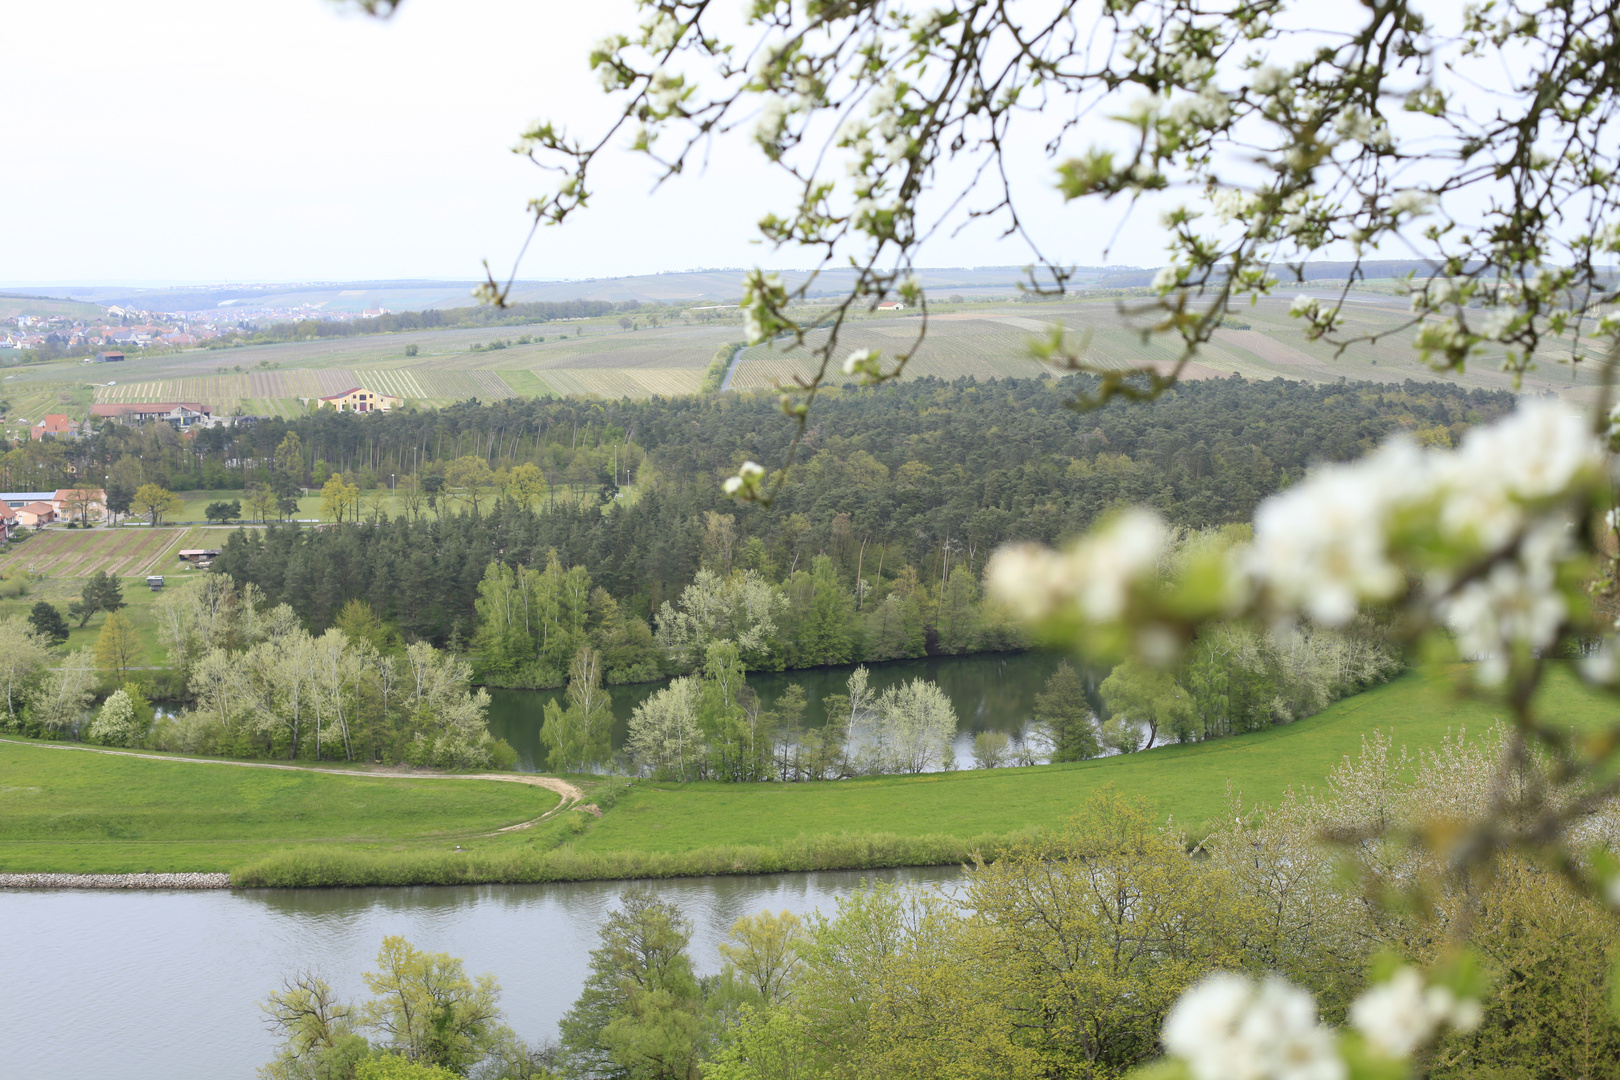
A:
36	509
194	414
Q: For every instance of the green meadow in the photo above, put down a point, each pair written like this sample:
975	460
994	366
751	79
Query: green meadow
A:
74	811
67	811
1187	783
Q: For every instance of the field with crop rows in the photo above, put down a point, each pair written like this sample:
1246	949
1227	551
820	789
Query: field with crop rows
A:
122	552
621	382
600	358
30	401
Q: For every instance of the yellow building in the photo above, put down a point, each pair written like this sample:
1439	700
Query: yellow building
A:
360	399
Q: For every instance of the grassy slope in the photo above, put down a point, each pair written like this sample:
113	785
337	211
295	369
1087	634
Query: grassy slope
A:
65	811
80	812
1189	782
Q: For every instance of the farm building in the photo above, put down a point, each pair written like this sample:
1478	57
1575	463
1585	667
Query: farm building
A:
63	427
359	399
36	514
17	499
181	414
199	557
891	305
111	356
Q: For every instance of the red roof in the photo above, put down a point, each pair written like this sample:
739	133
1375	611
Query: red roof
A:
54	422
39	508
63	494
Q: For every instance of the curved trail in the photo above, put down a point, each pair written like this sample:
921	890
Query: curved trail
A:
571	795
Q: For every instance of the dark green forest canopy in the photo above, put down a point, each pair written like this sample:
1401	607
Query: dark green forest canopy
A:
907	478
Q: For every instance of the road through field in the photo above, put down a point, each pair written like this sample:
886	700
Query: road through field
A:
570	794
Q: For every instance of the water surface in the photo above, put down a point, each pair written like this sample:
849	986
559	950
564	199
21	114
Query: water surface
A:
166	985
991	692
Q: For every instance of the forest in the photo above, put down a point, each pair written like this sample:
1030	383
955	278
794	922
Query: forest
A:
911	481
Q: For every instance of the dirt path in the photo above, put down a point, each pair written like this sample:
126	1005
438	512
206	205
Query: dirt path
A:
571	795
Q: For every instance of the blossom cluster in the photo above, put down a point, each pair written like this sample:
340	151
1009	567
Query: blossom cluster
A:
1231	1027
1484	536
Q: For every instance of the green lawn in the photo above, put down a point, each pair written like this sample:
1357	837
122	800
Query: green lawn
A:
71	811
1188	782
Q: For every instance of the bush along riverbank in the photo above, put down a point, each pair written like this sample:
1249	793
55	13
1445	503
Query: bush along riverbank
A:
329	867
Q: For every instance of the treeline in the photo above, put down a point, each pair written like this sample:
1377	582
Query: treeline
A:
253	682
520	314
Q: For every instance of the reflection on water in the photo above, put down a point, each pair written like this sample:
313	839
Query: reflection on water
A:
159	985
991	692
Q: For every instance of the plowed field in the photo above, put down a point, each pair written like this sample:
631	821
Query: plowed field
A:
123	552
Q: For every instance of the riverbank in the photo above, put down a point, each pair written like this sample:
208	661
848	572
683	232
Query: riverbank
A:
131	814
115	881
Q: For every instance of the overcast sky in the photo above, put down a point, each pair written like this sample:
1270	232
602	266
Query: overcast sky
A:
276	140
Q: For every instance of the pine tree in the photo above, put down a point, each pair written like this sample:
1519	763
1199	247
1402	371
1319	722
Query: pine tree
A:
1063	708
48	622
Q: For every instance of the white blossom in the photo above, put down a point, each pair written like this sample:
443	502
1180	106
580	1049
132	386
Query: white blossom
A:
1411	202
1514	605
1095	575
1400	1016
1497	324
1269	79
773	114
1167	278
1229	1028
1536	453
749	474
1105	563
661	32
1032	580
1322	546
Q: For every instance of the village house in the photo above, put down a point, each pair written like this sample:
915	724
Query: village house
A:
79	504
63	427
182	414
359	399
891	305
35	514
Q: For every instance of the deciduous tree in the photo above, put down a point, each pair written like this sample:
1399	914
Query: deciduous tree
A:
155	501
118	647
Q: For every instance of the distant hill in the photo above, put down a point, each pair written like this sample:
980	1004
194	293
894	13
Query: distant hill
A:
716	286
692	286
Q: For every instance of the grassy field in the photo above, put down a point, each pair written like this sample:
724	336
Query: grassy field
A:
1188	783
70	811
56	808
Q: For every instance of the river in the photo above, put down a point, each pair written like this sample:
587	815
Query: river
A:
991	692
159	985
